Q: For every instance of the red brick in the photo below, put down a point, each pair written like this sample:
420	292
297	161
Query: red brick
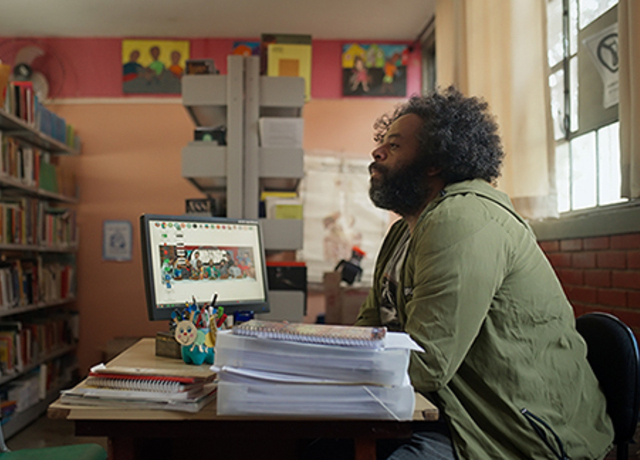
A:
559	260
614	297
550	246
629	317
597	278
570	277
633	299
578	309
611	259
597	308
629	241
583	260
581	294
633	259
571	245
627	279
601	242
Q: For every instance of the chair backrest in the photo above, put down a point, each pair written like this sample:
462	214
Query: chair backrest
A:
612	352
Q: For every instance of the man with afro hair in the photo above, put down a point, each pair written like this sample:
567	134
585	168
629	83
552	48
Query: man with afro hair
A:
462	274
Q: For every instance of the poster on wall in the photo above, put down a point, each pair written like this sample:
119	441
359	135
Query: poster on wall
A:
117	240
339	215
246	48
374	70
153	66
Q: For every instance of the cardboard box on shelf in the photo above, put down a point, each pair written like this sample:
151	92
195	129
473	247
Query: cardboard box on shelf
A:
342	303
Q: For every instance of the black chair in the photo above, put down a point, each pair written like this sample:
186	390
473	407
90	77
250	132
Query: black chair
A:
612	352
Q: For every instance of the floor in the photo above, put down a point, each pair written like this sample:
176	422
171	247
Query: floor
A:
46	432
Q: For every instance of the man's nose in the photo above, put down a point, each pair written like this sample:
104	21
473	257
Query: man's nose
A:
379	153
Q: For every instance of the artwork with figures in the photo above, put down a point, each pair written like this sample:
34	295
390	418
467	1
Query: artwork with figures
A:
153	66
374	70
339	215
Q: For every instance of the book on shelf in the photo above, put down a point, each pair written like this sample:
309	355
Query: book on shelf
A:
283	208
349	336
5	74
19	161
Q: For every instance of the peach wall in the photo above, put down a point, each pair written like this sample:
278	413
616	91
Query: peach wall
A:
344	126
130	164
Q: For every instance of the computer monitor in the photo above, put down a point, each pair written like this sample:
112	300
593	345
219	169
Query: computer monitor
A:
186	257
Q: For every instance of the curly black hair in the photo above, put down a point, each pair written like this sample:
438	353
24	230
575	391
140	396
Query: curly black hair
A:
458	135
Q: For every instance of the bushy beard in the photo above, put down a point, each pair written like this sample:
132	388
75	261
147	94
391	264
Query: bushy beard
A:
404	191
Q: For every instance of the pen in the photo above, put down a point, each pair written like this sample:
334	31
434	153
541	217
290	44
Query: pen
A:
213	301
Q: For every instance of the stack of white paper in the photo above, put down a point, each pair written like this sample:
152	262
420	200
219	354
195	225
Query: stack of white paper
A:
273	377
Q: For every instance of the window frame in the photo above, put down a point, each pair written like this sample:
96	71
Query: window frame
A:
570	135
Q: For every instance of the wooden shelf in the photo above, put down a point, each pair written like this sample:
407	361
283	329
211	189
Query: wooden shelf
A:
43	359
8	182
22	419
14	188
15	127
34	307
35	248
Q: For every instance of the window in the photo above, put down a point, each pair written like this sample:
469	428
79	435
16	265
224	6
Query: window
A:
587	165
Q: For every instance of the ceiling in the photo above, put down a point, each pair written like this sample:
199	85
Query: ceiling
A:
322	19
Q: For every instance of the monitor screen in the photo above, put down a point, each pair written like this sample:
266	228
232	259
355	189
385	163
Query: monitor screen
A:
187	257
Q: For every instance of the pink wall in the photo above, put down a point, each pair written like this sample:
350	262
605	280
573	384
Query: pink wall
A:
91	67
130	163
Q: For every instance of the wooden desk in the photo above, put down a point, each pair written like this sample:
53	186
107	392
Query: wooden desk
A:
141	434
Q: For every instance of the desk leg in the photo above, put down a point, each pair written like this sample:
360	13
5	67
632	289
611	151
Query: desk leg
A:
365	448
121	448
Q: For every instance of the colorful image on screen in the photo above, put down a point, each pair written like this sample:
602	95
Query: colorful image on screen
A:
206	263
197	258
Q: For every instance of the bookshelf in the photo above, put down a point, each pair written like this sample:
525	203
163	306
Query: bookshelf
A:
237	173
38	242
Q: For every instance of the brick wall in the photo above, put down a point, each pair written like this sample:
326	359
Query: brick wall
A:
600	274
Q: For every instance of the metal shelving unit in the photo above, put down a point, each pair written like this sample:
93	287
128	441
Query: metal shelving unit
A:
238	172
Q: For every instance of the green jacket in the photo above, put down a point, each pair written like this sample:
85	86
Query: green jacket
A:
501	350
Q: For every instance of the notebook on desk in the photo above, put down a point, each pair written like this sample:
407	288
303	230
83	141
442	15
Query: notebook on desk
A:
140	359
138	379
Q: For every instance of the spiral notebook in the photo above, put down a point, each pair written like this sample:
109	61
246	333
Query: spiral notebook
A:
139	391
349	336
155	384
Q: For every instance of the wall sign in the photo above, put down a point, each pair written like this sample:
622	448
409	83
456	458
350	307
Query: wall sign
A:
117	240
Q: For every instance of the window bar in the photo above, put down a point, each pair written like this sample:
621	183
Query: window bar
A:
566	119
